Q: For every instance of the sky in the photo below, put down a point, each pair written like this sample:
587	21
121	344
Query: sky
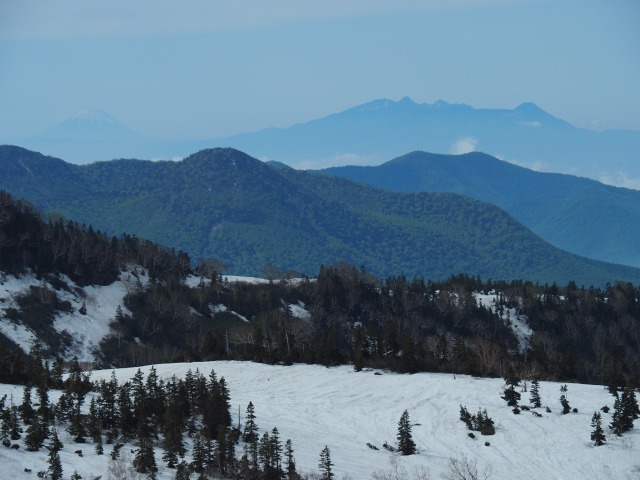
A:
204	69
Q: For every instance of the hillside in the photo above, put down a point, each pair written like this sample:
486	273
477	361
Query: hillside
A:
567	211
344	410
234	208
67	290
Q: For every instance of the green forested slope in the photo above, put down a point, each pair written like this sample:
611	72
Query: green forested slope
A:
224	204
576	214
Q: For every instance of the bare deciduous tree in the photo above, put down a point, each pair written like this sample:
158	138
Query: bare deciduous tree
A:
463	468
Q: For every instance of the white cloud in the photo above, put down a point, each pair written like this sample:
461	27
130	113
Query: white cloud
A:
464	145
619	179
535	124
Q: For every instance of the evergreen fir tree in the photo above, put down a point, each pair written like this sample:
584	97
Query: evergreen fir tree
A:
183	472
125	418
290	461
511	396
35	437
630	405
55	466
99	449
144	460
198	454
26	409
535	394
55	376
77	427
358	343
597	435
173	421
276	453
250	428
264	453
94	427
325	464
484	424
406	446
42	391
466	417
14	423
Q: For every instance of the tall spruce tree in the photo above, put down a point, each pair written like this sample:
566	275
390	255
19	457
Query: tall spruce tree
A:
250	428
597	435
325	464
55	465
534	398
276	454
406	445
290	461
630	405
26	409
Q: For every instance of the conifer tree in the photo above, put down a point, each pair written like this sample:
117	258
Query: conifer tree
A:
35	435
198	454
144	460
597	435
55	376
250	428
76	419
13	422
26	409
466	417
630	405
290	461
173	421
94	426
406	446
55	466
535	394
42	390
264	453
358	342
126	420
511	396
566	408
325	464
276	453
183	471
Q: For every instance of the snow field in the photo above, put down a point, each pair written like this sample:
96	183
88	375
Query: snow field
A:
316	406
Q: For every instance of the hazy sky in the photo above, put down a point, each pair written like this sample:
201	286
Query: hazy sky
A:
210	68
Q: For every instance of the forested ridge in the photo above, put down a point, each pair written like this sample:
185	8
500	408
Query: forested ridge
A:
567	211
237	209
585	334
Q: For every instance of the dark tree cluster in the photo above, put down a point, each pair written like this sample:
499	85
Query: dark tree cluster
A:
150	414
480	422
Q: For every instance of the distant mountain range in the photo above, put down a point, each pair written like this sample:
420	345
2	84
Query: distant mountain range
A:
225	204
576	214
374	132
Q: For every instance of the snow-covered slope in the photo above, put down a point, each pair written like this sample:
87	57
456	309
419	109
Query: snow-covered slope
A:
316	406
99	304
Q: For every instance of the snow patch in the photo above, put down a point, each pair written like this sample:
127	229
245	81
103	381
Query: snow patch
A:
298	310
223	308
510	316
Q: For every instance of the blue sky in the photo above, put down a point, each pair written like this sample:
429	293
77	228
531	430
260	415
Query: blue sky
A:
211	68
